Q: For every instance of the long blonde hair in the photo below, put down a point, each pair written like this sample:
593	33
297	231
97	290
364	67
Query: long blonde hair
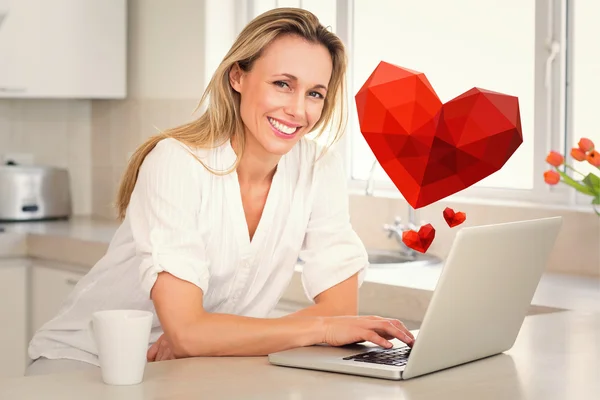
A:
221	121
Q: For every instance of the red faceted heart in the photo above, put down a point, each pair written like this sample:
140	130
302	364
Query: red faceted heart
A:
454	218
432	150
419	241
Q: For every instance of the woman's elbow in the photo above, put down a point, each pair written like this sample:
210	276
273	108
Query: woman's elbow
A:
181	343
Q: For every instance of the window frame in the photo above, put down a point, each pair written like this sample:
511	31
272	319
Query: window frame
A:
577	198
550	28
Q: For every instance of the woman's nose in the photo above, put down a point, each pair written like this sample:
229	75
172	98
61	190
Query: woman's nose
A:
296	106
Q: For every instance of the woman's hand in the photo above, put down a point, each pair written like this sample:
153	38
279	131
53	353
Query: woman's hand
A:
339	331
161	350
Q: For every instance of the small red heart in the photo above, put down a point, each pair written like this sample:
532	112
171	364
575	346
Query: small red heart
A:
419	241
453	219
429	149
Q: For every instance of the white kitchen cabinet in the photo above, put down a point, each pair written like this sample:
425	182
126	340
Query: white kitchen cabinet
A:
13	57
51	284
63	49
13	317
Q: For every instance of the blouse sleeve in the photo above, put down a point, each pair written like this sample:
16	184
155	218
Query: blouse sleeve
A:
332	251
163	215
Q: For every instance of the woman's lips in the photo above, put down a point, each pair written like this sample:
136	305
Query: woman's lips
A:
282	130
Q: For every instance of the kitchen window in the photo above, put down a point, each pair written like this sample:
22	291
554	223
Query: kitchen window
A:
517	47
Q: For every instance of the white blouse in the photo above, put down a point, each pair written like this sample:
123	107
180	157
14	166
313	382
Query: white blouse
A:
189	222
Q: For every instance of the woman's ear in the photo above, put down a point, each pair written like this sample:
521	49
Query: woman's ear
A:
235	77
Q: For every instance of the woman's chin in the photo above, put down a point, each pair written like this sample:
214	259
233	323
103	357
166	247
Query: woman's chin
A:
279	149
279	146
274	144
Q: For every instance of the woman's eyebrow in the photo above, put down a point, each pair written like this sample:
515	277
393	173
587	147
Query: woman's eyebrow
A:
295	79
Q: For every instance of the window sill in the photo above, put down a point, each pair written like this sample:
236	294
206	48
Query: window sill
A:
358	189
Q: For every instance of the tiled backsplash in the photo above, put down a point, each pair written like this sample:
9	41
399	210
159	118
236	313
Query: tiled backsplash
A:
55	133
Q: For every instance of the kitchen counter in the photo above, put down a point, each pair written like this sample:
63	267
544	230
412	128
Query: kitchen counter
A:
398	291
556	357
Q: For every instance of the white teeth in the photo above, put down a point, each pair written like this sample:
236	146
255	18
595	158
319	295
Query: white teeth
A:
281	127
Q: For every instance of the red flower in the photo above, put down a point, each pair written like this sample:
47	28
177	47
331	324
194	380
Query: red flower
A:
593	158
555	159
551	177
578	154
586	144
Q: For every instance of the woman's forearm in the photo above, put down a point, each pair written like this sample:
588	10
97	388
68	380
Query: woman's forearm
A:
232	335
322	310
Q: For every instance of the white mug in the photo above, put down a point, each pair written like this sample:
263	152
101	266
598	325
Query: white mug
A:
122	338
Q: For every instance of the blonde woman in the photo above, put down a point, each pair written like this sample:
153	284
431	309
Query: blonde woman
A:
215	214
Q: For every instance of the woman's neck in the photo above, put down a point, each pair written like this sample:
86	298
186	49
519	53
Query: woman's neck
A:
256	166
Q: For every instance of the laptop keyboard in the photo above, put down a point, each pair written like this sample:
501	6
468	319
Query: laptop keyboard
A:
397	356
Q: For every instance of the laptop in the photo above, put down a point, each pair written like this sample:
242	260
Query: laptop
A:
476	311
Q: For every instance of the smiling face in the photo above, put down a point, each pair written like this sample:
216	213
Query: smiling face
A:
282	96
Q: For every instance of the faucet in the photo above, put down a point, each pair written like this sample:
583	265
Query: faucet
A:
396	230
398	227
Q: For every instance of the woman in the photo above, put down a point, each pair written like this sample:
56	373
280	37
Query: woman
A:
216	213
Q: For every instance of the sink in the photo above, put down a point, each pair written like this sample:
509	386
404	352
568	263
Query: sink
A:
388	258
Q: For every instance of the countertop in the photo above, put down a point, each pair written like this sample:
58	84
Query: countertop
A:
556	357
397	291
